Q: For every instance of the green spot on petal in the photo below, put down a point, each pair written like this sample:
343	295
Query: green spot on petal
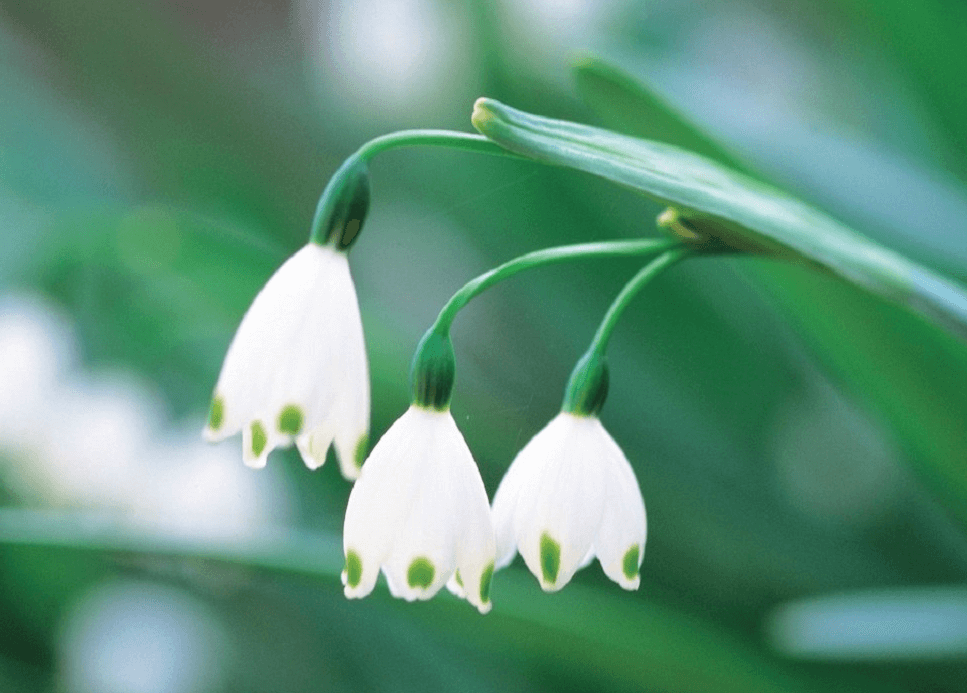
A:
361	447
354	569
420	573
259	439
629	564
550	558
456	576
216	415
485	579
290	420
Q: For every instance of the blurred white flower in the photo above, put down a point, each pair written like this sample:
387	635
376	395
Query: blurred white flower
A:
419	511
570	495
35	349
296	369
412	59
98	441
139	637
189	489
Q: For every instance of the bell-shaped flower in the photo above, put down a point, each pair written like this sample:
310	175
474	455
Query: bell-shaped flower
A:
420	513
568	496
296	370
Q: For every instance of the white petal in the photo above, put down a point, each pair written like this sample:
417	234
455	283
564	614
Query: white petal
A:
298	358
570	494
620	543
569	501
314	446
419	511
379	498
507	501
256	444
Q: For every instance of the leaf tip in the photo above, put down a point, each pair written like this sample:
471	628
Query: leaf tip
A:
482	113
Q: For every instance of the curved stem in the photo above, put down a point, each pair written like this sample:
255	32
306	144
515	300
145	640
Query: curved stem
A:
547	256
438	138
645	275
354	168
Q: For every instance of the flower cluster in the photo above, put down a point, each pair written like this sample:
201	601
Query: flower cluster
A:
296	371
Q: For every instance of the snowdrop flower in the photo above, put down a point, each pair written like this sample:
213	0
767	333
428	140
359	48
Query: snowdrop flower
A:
419	510
296	369
568	496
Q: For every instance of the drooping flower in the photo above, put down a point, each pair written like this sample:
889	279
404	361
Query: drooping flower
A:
571	495
420	513
296	370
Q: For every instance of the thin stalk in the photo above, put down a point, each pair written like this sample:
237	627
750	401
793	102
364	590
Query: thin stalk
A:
432	138
644	275
547	256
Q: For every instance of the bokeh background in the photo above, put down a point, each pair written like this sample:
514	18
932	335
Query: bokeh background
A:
802	448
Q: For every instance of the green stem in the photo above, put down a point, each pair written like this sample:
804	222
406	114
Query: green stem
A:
431	138
342	182
587	387
547	256
645	275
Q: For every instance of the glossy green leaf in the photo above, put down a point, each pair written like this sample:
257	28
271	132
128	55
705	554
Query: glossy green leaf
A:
630	107
727	207
906	371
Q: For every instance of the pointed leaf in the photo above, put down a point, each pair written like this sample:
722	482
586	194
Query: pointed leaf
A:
727	207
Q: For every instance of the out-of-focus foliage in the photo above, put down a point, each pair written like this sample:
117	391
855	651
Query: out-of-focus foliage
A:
159	159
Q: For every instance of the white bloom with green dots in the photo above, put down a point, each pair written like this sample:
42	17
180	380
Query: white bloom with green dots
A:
296	370
420	513
568	496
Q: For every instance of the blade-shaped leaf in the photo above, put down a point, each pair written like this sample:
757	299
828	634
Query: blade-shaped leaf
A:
903	369
727	207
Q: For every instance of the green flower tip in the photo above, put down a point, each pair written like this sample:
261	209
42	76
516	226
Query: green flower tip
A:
587	388
259	438
456	576
361	447
354	568
629	564
486	578
290	420
550	559
433	371
420	573
216	415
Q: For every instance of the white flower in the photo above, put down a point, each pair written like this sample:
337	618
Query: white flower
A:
570	495
296	369
419	511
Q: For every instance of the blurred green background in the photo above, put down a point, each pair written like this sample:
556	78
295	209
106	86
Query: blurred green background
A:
802	448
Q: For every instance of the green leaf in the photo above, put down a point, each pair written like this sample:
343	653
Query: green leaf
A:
723	206
902	368
630	107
